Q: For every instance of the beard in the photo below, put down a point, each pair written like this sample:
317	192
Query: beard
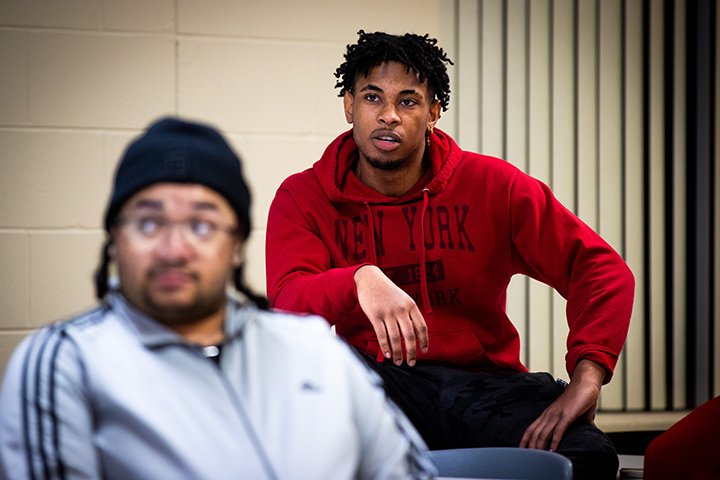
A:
170	310
386	165
176	313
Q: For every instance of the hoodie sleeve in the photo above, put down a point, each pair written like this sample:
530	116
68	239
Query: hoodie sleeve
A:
554	246
300	277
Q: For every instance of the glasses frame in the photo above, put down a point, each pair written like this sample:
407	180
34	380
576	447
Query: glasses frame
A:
165	225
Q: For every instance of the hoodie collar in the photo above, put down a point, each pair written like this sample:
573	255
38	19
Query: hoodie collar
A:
152	333
335	168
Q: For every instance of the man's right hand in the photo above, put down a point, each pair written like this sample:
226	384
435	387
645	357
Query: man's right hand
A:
392	313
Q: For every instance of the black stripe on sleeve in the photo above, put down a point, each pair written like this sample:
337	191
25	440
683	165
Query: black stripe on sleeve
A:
38	405
60	465
25	404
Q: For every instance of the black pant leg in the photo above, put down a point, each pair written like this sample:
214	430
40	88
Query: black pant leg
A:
495	410
454	408
415	391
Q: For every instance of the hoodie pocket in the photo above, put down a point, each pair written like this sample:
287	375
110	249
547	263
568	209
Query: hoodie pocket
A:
456	347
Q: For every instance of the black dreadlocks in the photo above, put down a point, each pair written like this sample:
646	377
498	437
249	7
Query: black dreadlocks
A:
419	53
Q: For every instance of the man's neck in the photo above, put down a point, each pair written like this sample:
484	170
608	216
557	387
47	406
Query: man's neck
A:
207	331
391	183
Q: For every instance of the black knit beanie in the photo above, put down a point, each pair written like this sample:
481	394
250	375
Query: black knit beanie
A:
177	151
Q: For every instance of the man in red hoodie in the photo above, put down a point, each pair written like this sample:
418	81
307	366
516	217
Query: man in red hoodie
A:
406	243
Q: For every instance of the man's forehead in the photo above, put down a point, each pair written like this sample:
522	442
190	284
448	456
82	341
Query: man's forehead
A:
165	196
385	69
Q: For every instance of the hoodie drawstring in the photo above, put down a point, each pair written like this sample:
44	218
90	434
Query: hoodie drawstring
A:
426	308
372	253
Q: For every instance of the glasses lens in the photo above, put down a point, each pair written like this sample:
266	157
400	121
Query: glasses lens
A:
193	230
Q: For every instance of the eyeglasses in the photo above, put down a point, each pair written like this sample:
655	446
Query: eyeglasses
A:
194	230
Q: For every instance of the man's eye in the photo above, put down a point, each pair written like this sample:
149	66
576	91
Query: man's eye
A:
149	226
408	102
202	228
371	97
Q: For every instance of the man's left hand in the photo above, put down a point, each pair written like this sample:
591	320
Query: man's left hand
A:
579	399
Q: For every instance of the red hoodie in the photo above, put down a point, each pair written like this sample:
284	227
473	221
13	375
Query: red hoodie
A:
452	243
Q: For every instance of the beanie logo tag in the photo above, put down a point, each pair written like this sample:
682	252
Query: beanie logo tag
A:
176	164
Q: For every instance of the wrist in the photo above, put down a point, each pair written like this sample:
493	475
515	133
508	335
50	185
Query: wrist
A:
587	371
361	272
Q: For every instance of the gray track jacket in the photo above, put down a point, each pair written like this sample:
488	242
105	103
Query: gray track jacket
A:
113	394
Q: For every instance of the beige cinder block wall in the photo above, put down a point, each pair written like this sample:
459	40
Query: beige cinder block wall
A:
81	78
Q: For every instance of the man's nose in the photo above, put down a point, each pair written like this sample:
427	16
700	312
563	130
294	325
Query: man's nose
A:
389	114
174	242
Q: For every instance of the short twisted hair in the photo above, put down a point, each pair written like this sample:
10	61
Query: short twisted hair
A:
419	53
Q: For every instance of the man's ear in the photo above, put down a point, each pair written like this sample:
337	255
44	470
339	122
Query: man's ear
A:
435	110
112	242
348	100
238	255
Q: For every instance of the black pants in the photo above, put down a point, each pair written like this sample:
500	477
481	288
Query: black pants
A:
454	408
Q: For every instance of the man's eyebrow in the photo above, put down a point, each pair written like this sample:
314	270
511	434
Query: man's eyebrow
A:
372	87
210	206
375	88
149	203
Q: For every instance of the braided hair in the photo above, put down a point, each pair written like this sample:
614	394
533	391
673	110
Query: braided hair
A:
419	53
102	274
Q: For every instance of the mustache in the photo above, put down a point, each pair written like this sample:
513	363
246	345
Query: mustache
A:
164	269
